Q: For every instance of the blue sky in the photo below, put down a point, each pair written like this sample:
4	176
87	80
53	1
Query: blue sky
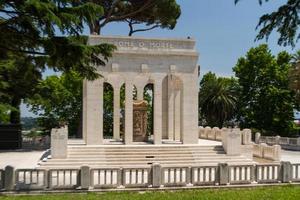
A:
223	31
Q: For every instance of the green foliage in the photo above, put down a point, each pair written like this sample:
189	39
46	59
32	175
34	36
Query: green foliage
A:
108	109
163	14
38	34
30	27
29	123
217	99
265	103
285	20
18	78
59	100
294	75
149	13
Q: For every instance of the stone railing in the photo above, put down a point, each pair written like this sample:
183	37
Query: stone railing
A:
216	133
284	142
36	143
234	140
154	176
267	152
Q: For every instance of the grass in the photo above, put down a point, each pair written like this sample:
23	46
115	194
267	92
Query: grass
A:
261	193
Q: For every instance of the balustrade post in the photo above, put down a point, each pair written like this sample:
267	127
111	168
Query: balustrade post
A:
189	177
277	139
85	177
156	175
257	137
223	173
9	178
286	172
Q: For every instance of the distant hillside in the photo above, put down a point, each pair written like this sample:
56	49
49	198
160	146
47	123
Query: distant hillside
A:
29	123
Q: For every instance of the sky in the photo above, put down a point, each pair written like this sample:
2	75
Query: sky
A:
223	32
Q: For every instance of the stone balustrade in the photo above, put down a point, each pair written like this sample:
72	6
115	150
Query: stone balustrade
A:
234	140
216	133
36	143
285	142
154	176
267	152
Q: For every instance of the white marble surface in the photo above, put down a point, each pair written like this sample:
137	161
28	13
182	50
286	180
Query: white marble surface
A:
292	156
20	158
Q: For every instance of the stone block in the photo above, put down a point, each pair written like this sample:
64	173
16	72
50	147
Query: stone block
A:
59	142
9	178
223	173
85	177
207	131
201	131
286	172
246	136
232	142
156	175
257	137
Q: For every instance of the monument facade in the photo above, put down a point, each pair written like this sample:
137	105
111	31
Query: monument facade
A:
170	65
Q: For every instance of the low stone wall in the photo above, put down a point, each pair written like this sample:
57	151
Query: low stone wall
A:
267	152
285	142
36	143
154	176
234	140
216	134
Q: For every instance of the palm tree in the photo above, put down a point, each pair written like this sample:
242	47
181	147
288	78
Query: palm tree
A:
217	99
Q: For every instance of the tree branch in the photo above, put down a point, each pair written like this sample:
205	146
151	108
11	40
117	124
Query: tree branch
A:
140	30
23	51
123	17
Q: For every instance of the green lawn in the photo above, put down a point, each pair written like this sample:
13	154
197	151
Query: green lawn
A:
261	193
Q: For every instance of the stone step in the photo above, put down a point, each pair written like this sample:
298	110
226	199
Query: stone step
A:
139	159
140	162
142	148
138	165
125	156
145	153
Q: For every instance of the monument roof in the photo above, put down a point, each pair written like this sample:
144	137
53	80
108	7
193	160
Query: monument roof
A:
142	45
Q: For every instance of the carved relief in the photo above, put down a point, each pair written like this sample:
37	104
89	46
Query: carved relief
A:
140	121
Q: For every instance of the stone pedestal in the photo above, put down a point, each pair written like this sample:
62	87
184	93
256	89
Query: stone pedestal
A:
140	121
59	142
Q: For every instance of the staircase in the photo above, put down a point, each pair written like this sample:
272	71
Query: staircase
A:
143	155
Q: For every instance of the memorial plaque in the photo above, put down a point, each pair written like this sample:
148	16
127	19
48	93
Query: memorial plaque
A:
140	121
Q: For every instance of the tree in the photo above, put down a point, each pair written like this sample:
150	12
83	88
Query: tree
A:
19	77
294	75
150	13
38	34
285	20
59	100
217	99
265	101
35	29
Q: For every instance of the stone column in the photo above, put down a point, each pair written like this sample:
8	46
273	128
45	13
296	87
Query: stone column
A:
128	112
157	111
189	114
177	115
93	112
170	109
116	112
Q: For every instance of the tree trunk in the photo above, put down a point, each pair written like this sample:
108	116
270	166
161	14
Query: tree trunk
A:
95	28
15	117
